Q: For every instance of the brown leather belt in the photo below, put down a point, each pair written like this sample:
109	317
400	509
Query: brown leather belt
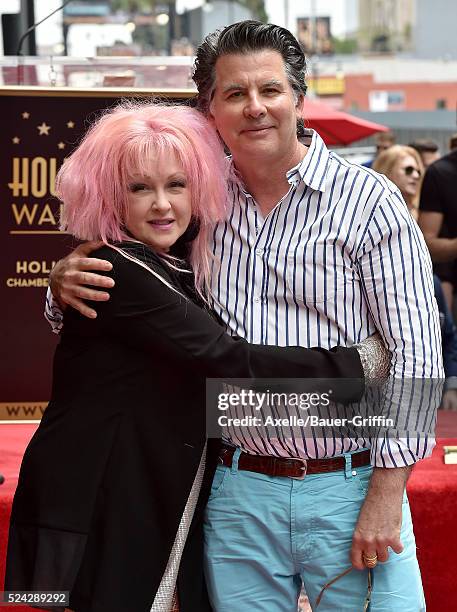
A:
293	468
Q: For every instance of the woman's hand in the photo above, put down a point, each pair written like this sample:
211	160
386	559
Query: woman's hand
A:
71	276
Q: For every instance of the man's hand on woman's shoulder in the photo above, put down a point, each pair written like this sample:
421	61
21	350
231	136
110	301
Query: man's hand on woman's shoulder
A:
72	279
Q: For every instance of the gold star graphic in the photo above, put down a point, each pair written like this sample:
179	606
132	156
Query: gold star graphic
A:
25	115
43	129
61	145
70	124
16	140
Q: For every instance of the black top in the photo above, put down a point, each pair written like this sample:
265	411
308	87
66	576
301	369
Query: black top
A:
439	194
105	479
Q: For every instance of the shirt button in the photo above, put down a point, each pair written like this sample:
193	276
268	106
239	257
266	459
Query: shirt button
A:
259	252
256	299
354	473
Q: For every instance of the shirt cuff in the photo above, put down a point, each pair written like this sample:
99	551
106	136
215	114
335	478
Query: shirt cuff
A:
391	452
53	313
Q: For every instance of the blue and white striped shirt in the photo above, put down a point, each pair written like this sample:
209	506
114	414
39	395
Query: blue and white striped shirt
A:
338	258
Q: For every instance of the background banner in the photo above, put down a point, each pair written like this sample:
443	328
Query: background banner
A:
40	128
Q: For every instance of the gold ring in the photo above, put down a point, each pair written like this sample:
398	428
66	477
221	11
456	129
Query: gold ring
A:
370	561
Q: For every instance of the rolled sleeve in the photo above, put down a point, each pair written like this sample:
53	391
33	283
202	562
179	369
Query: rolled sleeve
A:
397	279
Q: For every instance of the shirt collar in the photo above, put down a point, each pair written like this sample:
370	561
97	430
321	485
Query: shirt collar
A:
312	169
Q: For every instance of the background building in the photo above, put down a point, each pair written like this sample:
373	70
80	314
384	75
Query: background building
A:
198	22
386	25
342	14
435	34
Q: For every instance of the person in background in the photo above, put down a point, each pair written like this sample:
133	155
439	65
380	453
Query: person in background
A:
429	152
403	166
427	149
383	141
449	338
438	216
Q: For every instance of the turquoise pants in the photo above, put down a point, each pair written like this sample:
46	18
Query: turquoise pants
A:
265	535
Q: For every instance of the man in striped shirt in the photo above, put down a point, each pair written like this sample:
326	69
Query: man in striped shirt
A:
315	252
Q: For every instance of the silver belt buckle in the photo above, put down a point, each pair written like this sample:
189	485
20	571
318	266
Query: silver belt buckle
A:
304	468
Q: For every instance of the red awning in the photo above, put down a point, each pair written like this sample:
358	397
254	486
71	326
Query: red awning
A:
337	127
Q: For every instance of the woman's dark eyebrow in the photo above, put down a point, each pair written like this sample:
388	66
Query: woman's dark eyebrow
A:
177	176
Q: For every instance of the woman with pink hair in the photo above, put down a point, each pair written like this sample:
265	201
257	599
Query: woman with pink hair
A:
110	481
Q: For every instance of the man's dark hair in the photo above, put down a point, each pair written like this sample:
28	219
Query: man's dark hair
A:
424	145
247	37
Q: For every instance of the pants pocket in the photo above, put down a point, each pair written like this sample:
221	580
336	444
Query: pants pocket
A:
219	479
362	478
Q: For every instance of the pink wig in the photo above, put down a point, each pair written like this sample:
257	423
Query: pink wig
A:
93	182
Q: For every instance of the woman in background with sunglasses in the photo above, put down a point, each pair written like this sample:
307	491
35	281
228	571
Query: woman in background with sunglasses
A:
404	167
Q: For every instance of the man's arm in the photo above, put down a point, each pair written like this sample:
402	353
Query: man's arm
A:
396	275
441	249
379	522
69	282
